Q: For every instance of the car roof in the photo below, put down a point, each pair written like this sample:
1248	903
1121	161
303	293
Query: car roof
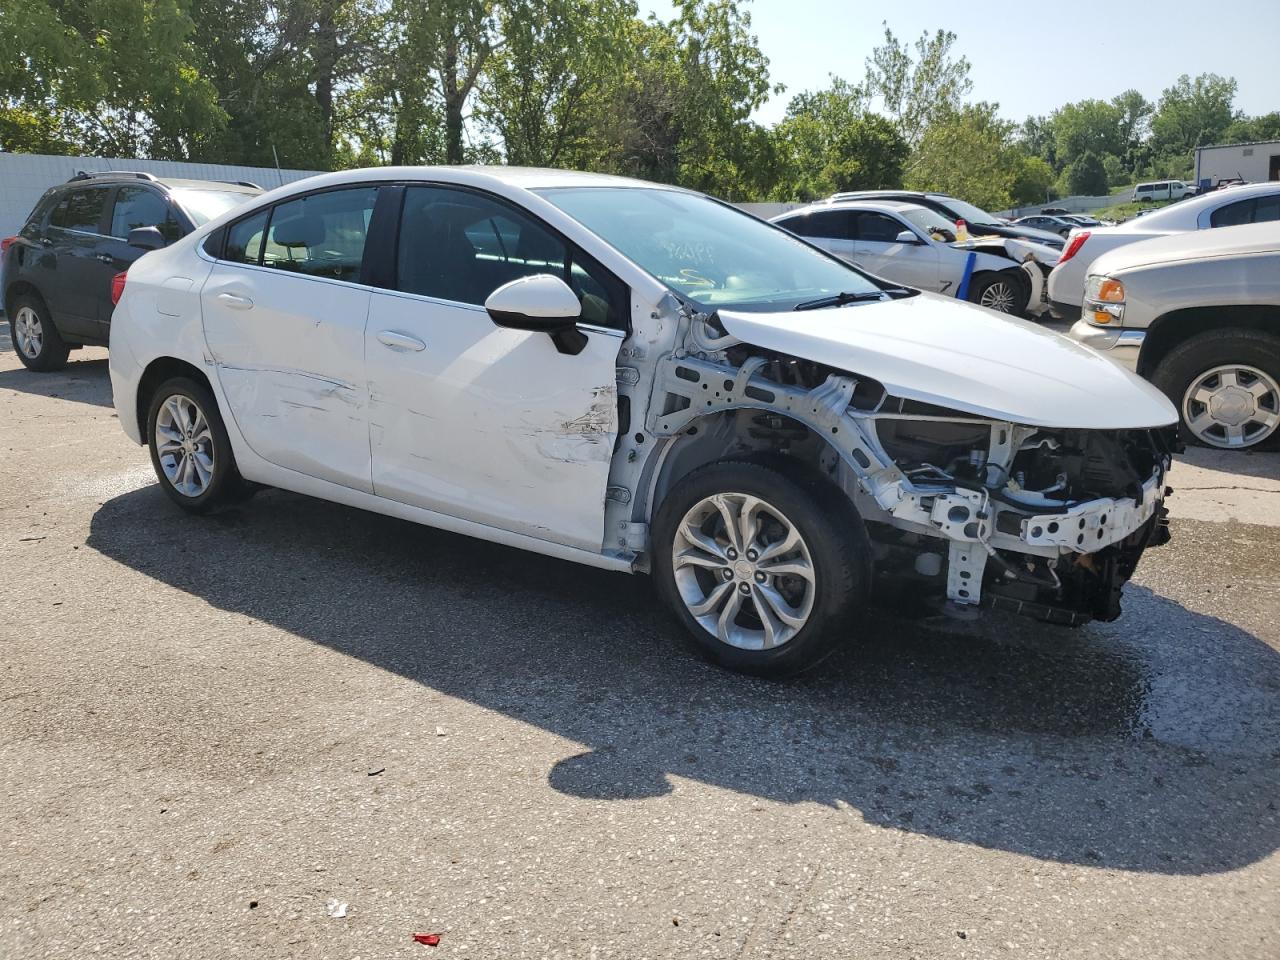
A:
879	206
525	178
1196	205
1239	241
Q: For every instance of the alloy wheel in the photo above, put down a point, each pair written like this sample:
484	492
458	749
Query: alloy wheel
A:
999	296
1232	406
184	445
28	332
743	571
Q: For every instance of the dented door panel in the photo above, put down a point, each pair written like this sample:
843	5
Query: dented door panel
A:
491	424
289	354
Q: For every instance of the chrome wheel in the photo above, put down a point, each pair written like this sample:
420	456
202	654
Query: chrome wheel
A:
999	296
1232	406
184	445
743	571
28	332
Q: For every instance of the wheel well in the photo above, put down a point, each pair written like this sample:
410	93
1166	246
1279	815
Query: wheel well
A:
158	371
741	433
17	289
1171	329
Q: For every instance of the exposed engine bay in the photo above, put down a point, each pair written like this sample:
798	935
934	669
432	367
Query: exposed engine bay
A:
1046	522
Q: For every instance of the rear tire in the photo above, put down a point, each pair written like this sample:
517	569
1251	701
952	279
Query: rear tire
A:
1226	386
190	449
35	339
776	593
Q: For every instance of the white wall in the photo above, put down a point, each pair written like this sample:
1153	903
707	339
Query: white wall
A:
1249	161
25	176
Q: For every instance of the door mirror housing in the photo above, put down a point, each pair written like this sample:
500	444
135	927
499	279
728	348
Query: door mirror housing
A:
146	238
542	303
906	236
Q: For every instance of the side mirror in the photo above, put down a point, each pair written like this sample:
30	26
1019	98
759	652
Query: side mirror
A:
146	238
542	303
906	236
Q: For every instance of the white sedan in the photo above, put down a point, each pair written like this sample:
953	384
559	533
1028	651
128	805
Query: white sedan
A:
1254	203
913	245
643	379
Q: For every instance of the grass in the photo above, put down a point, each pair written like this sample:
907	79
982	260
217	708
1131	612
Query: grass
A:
1120	212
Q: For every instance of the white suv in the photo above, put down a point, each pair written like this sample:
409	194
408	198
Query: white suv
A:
640	378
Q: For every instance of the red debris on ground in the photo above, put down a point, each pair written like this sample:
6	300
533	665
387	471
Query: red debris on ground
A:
430	939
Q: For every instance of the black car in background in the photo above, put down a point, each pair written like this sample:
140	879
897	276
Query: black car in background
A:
977	220
58	270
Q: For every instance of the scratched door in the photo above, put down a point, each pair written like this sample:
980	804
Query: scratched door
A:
490	424
289	355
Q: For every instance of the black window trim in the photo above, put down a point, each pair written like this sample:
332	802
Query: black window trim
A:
378	270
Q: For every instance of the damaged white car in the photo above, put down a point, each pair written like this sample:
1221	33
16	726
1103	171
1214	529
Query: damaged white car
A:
913	245
641	378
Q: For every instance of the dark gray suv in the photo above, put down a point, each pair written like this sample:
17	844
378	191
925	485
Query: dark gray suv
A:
58	271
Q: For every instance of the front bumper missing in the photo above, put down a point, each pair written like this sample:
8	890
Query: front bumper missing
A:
1089	527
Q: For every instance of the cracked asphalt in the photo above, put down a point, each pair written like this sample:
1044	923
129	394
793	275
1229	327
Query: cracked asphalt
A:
210	728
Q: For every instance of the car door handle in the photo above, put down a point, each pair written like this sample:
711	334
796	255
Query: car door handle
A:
400	341
45	241
235	302
104	257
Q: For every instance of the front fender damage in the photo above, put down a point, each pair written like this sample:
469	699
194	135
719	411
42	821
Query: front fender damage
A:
1044	522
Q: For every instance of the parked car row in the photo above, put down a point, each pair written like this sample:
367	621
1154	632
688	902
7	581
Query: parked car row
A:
640	378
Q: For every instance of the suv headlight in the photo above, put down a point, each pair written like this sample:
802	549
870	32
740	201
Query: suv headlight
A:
1103	300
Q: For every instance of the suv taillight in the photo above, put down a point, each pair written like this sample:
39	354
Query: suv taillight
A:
5	244
1073	247
117	286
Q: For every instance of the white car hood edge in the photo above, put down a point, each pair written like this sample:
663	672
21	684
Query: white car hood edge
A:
952	354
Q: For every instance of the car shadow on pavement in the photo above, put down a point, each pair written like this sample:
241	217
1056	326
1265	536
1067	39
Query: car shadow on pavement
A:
1146	745
81	381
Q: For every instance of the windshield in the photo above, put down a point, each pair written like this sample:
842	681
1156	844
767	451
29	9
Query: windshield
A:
932	223
968	212
710	253
203	205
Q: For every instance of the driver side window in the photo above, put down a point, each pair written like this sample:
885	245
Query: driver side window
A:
460	246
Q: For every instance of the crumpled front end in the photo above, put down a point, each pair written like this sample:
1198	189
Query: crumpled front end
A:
1047	523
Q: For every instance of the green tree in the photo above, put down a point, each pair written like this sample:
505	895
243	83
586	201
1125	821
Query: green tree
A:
556	74
1032	180
917	89
1089	126
830	143
1086	176
1135	121
1248	129
1190	114
106	77
968	153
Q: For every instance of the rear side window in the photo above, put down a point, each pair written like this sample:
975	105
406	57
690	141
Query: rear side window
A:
322	235
81	210
140	207
244	239
823	224
1233	214
42	209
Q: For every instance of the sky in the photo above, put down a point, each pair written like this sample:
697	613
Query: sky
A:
1029	57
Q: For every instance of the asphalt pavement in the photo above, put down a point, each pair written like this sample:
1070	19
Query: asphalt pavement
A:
216	732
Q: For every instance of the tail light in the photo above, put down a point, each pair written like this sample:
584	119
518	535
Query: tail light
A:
117	286
1073	245
5	244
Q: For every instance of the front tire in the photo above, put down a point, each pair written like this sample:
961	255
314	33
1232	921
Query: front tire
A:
764	564
1003	292
1226	386
190	449
35	339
